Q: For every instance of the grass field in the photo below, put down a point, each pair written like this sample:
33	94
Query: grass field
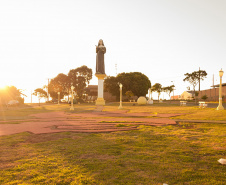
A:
186	153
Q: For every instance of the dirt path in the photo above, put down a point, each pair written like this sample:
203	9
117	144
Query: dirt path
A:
97	121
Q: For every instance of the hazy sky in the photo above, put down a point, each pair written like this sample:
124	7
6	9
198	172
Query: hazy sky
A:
163	39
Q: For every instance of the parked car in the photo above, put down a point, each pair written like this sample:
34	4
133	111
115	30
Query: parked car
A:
13	103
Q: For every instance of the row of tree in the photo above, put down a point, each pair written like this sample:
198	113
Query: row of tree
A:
134	83
79	78
158	88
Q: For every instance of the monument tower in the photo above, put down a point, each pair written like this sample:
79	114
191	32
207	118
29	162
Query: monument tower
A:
100	71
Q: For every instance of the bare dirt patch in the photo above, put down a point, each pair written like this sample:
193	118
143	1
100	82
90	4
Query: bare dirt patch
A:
97	121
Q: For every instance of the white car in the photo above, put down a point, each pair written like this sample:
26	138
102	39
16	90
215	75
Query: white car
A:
13	102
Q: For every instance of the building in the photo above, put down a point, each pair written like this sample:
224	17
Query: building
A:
187	95
213	93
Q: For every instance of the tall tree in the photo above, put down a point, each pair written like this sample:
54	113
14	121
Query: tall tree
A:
157	87
59	84
80	78
194	77
10	93
136	82
111	85
41	93
168	90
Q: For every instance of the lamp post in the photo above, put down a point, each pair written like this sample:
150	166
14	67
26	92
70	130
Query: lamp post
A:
149	92
120	106
150	100
220	106
72	106
173	90
58	98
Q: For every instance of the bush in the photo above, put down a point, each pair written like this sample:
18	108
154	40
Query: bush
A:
204	97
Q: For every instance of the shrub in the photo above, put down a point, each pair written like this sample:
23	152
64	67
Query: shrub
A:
204	97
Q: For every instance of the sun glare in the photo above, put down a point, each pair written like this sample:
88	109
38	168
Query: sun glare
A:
2	87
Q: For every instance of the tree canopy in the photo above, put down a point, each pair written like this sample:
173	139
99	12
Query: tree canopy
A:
157	87
168	89
10	93
79	78
135	82
194	77
59	84
40	92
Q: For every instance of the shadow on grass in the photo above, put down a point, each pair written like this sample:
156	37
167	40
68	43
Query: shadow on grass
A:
181	154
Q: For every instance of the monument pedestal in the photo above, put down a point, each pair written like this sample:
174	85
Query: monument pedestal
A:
100	95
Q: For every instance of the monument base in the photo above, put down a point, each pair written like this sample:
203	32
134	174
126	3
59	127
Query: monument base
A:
100	101
100	98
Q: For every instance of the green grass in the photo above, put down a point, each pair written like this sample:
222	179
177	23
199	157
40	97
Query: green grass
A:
25	112
189	112
182	154
186	153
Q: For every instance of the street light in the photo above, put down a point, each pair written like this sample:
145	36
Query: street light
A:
173	90
220	106
58	98
120	106
72	107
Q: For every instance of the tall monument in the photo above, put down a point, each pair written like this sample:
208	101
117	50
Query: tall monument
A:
100	71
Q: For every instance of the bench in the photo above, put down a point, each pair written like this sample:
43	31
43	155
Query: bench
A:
183	103
202	104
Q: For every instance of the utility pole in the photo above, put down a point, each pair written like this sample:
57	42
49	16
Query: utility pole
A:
199	79
31	96
116	69
48	91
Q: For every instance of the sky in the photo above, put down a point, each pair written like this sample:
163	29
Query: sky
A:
163	39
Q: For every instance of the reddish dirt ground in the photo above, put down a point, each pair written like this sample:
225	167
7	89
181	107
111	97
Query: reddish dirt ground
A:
97	121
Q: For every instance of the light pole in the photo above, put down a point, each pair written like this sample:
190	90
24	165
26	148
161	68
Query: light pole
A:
72	107
150	100
58	98
173	90
120	106
220	106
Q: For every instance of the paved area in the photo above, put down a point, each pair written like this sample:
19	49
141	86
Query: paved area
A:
89	122
97	121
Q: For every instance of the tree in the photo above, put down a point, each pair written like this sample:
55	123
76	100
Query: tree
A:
136	82
157	88
59	84
80	78
168	90
111	85
10	93
41	93
194	78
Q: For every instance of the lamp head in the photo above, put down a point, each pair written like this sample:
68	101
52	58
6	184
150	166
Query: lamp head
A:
221	73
